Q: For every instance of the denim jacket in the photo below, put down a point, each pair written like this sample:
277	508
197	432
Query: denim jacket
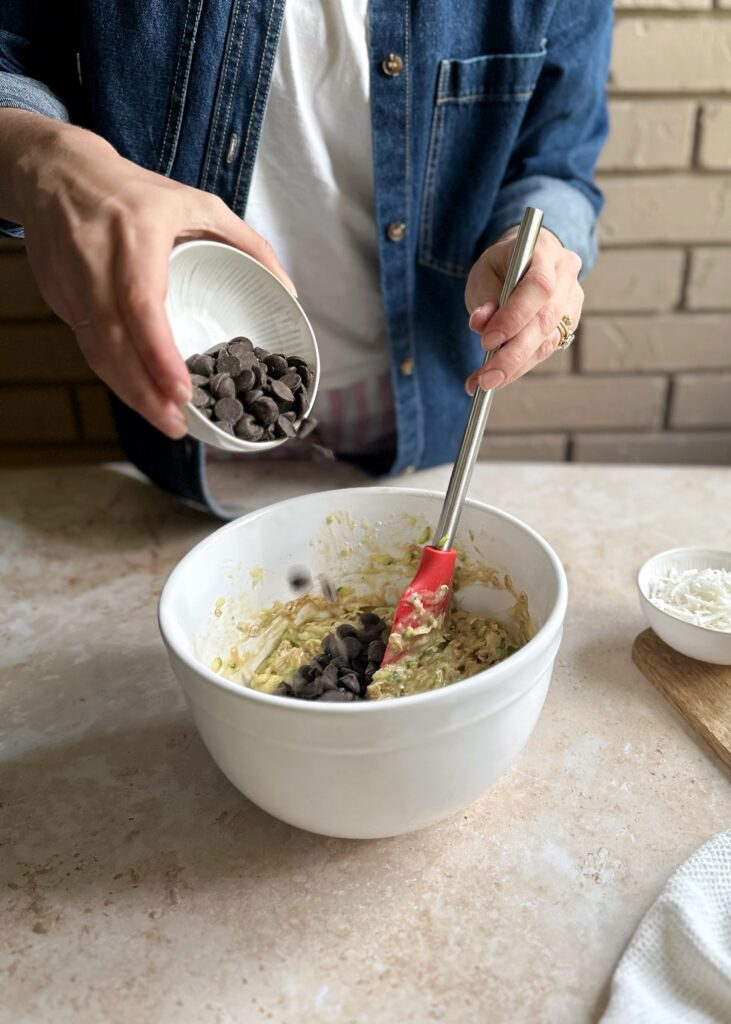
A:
493	106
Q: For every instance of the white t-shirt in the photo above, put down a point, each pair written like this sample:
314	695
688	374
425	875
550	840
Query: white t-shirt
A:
312	192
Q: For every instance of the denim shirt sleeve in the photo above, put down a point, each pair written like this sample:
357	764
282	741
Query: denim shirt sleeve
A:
553	162
31	35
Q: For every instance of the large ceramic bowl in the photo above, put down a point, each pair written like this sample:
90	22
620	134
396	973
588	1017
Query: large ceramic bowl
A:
368	769
215	293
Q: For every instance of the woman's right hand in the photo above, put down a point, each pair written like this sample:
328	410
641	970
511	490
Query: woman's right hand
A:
99	231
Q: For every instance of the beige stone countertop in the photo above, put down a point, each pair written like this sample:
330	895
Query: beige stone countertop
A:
139	887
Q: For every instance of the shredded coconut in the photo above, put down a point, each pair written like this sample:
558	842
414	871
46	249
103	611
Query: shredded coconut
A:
700	596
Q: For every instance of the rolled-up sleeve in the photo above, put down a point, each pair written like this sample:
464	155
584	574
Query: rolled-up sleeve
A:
566	123
34	41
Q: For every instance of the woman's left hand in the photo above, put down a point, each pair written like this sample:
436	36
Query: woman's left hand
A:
527	325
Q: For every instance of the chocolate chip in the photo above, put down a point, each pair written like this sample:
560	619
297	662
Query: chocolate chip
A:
240	346
260	375
281	393
265	410
225	425
226	363
297	362
229	409
276	365
250	397
208	413
198	380
285	428
301	402
260	352
245	381
370	619
200	364
350	681
199	397
292	380
346	629
330	676
313	689
306	427
298	579
347	646
337	696
283	690
291	415
308	376
222	386
376	650
248	429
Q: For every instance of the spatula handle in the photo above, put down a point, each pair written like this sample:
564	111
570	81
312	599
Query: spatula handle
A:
464	464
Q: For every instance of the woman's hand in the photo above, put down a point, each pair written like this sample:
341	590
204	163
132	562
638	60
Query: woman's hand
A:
527	325
99	231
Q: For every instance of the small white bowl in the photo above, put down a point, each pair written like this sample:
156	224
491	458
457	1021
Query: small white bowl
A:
697	642
216	292
376	768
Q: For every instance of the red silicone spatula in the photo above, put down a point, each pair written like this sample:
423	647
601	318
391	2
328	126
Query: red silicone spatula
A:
425	602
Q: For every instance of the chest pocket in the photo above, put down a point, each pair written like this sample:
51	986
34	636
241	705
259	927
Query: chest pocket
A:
479	107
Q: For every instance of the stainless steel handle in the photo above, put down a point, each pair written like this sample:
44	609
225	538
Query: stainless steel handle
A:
464	464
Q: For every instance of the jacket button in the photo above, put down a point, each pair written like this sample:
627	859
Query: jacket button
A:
406	367
392	65
396	230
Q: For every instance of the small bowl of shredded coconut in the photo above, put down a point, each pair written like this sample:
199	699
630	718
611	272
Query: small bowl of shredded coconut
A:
685	595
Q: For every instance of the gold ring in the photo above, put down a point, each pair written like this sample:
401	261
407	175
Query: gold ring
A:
566	335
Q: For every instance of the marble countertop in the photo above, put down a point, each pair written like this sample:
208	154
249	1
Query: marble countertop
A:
139	886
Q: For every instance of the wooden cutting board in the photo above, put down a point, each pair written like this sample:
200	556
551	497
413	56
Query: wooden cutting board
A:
701	692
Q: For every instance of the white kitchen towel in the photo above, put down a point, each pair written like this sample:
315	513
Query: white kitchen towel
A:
677	967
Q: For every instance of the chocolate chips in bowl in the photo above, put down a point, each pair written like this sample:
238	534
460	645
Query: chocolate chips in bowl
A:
251	393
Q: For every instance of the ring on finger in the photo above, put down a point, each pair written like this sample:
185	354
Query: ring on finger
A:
566	335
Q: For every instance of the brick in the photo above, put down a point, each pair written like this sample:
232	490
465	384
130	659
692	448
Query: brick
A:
524	447
576	403
715	147
96	417
58	454
701	448
709	282
36	414
19	295
561	361
685	341
701	400
649	135
671	55
674	5
39	352
635	280
670	208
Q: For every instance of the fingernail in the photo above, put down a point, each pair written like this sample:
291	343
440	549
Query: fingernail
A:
478	319
492	339
182	392
178	426
491	379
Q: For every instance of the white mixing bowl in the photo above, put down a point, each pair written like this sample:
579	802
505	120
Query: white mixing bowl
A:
361	770
215	293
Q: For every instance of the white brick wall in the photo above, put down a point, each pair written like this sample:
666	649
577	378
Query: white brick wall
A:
715	147
672	55
709	283
649	134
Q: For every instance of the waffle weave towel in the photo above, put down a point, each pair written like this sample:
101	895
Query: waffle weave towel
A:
677	967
